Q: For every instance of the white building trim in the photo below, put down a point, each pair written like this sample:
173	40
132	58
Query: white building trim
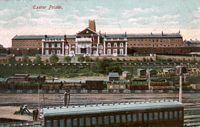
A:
125	48
42	47
63	49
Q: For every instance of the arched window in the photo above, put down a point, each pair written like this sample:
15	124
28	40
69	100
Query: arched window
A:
121	45
108	45
115	44
100	46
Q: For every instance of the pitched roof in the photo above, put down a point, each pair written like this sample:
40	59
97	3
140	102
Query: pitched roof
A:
28	37
118	107
71	36
57	37
121	36
86	30
40	37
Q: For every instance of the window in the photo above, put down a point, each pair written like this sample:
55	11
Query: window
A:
175	114
46	52
121	45
129	119
117	117
46	45
94	121
155	115
140	117
81	122
121	51
145	117
109	51
100	122
180	115
171	115
55	123
161	115
53	52
75	122
58	45
166	115
115	51
134	117
87	121
62	123
69	123
108	45
48	123
106	120
123	118
115	44
112	119
150	116
52	45
101	46
58	51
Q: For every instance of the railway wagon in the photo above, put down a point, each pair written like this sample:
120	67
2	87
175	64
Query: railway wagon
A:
94	85
137	114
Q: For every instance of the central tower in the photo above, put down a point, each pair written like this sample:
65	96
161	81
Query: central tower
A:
92	25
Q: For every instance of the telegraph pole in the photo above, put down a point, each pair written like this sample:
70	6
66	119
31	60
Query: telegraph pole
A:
180	88
67	98
180	72
149	78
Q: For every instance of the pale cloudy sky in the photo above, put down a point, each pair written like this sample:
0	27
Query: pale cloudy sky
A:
18	17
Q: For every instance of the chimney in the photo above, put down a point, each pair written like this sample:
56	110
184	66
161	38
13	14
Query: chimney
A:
65	37
92	25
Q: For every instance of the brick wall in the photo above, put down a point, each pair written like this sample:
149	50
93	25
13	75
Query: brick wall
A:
155	42
24	44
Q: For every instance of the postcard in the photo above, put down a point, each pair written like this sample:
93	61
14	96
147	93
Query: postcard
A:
97	63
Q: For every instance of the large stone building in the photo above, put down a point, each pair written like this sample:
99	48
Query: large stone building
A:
27	41
89	42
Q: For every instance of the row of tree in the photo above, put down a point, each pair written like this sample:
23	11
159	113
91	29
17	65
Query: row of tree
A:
102	66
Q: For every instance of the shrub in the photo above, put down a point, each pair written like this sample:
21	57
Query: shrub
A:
67	59
37	60
81	58
53	59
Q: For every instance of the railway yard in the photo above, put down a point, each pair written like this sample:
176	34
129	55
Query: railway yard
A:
191	101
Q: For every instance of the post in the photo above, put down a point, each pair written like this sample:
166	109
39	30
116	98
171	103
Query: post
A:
38	96
66	98
180	88
149	79
42	48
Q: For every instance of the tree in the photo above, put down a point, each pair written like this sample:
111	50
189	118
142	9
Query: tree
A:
88	59
81	58
25	59
105	66
113	67
67	59
11	60
37	60
53	59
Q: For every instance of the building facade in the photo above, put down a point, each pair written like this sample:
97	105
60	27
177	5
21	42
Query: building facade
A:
91	43
27	42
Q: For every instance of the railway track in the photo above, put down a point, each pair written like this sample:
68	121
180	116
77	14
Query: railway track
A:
191	102
192	115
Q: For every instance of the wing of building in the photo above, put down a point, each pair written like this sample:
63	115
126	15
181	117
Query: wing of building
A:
89	42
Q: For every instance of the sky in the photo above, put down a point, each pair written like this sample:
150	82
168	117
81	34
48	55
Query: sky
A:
26	17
